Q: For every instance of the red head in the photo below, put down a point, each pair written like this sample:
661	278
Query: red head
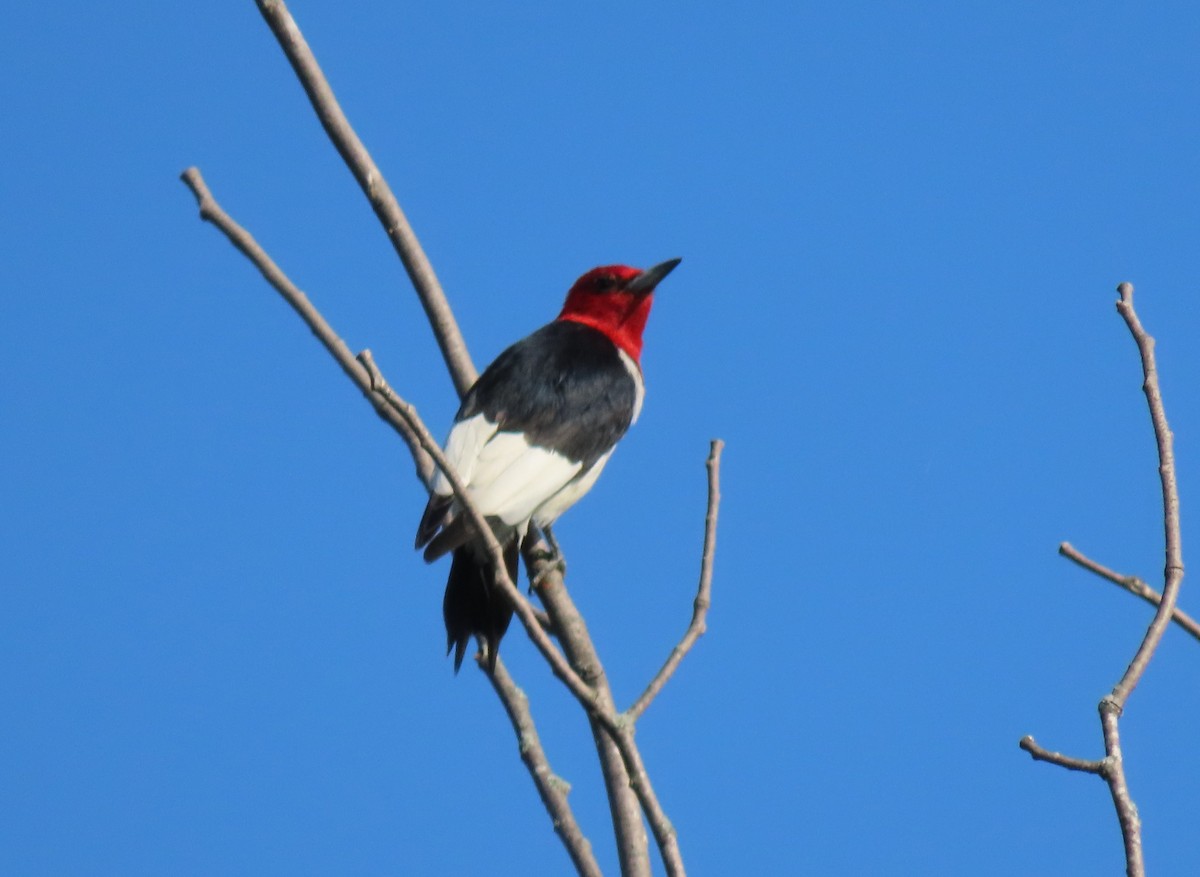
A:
616	300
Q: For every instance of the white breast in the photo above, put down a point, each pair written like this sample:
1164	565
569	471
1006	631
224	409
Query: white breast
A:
639	385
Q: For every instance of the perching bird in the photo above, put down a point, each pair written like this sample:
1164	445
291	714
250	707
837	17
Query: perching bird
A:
531	437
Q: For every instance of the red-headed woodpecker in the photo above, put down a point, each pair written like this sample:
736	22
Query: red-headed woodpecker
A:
531	437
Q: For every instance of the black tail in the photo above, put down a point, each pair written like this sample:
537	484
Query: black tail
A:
474	604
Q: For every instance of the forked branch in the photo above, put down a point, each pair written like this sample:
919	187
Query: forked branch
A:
551	788
1112	767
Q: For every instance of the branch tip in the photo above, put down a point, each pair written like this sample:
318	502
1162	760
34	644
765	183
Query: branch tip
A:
370	179
1066	761
703	600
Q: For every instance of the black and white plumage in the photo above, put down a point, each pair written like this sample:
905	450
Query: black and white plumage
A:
532	436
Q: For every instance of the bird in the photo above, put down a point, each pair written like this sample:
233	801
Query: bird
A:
531	437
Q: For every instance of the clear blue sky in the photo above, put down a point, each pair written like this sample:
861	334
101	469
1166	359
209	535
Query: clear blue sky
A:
901	231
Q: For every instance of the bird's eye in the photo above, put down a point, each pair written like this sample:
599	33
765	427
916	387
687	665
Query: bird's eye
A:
605	282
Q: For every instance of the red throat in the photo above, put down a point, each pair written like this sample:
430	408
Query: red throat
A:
619	314
622	321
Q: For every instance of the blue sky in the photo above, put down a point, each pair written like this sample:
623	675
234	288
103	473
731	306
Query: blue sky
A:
901	231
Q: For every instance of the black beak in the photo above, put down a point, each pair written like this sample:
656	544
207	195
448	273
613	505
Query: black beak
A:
651	277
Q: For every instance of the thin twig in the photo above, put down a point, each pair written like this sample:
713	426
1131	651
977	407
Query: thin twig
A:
551	788
210	211
1132	584
1039	754
703	600
377	190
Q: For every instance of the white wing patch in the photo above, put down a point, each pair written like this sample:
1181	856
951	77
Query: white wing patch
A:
513	478
506	476
467	439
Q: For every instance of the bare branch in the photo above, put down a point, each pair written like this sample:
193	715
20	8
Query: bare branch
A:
551	788
639	779
625	810
572	633
1173	569
1112	706
1112	767
375	187
1118	788
703	600
210	211
576	641
1132	584
629	773
1039	754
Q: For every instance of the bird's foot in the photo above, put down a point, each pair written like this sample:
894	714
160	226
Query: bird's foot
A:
547	562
